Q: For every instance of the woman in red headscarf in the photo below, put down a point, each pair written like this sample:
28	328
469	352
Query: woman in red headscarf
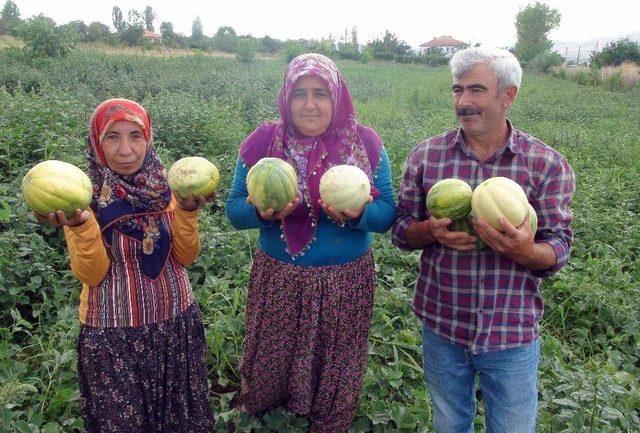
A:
141	348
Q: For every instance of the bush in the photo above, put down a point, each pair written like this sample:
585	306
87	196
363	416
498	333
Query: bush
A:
433	58
544	61
580	77
613	81
246	50
348	51
268	45
615	53
14	77
595	76
43	39
366	55
292	50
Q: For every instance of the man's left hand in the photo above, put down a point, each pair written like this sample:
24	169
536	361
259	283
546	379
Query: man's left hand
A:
517	243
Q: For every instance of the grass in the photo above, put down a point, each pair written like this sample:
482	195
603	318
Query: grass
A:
591	329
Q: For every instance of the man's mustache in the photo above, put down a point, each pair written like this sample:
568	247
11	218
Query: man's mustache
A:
467	111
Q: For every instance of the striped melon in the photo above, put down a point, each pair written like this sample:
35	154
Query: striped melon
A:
272	184
193	175
499	197
345	187
56	185
449	198
464	225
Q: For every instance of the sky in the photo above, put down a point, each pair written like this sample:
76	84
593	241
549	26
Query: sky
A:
488	22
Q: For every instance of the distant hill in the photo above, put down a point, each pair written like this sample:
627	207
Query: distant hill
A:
571	49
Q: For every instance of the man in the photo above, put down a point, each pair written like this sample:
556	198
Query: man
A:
481	308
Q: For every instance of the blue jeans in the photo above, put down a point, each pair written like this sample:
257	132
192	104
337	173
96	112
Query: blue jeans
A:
508	380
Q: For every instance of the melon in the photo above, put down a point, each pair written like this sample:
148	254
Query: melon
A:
533	218
272	184
56	185
500	197
345	187
193	175
464	225
449	198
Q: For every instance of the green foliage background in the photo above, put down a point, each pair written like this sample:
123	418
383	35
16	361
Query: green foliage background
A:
205	106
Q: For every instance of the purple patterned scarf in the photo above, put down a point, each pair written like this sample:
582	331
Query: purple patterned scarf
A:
341	143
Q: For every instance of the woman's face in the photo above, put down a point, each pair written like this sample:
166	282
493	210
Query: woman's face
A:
311	106
124	147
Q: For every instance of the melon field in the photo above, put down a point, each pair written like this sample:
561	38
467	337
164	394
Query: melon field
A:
204	106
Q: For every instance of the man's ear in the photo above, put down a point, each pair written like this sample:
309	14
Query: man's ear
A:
510	95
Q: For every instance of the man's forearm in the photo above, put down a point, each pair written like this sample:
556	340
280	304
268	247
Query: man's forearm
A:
542	257
418	234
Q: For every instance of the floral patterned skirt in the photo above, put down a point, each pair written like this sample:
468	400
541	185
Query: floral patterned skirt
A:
146	379
306	339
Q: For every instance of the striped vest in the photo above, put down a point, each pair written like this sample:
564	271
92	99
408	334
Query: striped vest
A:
127	297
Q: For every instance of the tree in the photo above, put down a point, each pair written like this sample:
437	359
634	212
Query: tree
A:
196	29
533	23
118	21
269	45
149	17
225	39
43	39
246	49
614	53
166	30
132	29
389	47
10	19
97	31
348	48
77	29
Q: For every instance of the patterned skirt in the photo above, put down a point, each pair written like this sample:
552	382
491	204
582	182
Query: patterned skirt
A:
146	379
306	339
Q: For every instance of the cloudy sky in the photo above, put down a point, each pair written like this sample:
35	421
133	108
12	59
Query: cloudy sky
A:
489	22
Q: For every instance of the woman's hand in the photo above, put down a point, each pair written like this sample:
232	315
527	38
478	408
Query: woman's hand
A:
58	218
348	214
270	214
192	203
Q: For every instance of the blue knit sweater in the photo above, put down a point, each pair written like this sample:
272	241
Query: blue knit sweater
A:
334	244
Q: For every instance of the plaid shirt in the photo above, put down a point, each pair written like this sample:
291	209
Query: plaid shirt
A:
481	299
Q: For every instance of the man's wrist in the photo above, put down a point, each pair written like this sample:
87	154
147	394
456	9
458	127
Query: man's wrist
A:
419	234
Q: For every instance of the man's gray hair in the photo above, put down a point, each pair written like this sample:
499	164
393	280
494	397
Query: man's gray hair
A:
503	64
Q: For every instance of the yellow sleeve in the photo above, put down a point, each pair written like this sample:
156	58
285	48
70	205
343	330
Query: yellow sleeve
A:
87	252
185	245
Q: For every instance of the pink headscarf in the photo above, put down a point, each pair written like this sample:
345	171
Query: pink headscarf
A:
344	142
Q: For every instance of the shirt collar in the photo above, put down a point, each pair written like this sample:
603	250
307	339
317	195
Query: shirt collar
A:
510	144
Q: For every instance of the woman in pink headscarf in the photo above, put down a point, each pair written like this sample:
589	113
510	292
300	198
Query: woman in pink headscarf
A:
311	287
141	348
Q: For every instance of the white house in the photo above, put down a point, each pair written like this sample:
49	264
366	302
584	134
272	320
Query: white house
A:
446	44
151	36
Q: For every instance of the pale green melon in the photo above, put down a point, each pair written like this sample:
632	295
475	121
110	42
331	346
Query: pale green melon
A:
345	187
193	175
499	197
272	183
533	218
56	185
